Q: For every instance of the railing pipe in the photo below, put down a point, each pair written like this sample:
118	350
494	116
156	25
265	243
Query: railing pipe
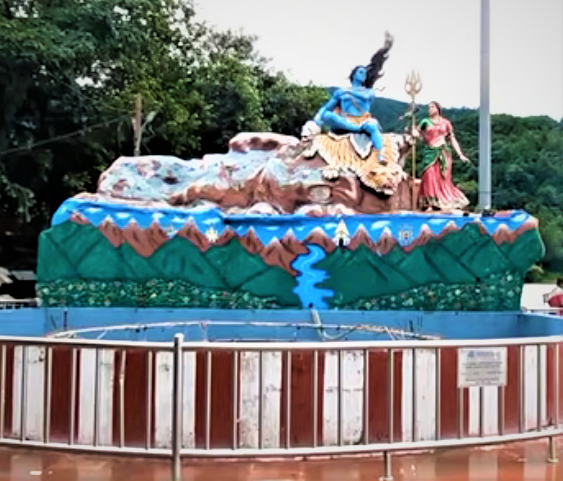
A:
177	408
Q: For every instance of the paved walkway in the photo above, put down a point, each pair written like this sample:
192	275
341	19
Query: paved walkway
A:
519	462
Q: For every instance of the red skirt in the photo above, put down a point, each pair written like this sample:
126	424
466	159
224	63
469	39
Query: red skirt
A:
437	190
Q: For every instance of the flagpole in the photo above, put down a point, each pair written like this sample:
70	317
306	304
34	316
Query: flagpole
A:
484	111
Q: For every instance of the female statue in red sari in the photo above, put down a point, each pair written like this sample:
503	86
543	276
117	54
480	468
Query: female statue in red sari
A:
437	191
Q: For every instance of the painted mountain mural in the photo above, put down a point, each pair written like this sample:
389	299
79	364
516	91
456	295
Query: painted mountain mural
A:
99	254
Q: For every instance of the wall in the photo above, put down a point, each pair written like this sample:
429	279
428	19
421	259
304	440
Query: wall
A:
451	325
22	322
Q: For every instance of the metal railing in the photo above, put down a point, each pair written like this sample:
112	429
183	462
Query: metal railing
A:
542	310
29	366
18	303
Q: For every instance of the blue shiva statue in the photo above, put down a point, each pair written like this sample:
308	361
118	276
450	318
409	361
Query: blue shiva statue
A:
348	110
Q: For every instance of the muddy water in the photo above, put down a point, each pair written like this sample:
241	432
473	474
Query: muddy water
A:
519	462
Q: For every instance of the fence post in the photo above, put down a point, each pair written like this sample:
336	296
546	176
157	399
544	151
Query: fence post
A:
387	469
177	409
552	451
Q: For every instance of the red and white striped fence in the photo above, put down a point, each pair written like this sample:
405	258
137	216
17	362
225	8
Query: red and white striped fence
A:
270	399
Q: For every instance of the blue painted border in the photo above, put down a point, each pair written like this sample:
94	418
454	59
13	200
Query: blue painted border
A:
451	325
405	227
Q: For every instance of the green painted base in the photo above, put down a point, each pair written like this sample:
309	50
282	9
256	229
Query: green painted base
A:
152	293
465	269
499	292
80	255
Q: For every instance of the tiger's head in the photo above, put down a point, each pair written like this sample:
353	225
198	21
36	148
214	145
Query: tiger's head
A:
382	178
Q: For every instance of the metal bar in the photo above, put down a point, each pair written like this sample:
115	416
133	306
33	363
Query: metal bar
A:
391	393
235	399
414	395
552	451
556	386
72	413
315	397
539	400
277	346
2	390
294	452
71	334
387	467
97	399
340	401
460	423
484	111
370	449
288	400
177	405
23	401
481	411
208	367
149	395
122	398
359	345
47	395
544	310
438	394
260	400
501	409
521	391
366	397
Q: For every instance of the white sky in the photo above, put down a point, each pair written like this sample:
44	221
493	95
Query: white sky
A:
321	41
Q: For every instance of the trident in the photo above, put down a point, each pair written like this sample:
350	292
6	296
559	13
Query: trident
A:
413	86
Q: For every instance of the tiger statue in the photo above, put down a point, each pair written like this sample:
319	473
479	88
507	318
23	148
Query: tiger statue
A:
354	153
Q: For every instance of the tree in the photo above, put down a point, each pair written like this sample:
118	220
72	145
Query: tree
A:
68	65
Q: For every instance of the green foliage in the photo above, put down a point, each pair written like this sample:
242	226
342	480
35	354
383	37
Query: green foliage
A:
64	67
498	292
288	106
151	293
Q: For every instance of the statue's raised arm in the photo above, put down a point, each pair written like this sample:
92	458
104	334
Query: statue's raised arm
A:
348	110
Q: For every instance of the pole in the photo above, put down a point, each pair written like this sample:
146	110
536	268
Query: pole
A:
387	470
177	401
137	124
413	86
484	112
414	198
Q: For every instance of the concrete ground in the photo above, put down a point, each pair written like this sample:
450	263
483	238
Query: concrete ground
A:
516	462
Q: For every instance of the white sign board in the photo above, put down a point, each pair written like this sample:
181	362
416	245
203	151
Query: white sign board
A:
485	366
